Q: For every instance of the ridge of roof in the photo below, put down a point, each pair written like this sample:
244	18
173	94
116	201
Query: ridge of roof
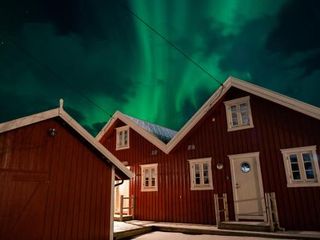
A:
163	133
59	112
130	122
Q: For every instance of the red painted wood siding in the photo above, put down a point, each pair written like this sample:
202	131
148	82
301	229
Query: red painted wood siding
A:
52	187
275	128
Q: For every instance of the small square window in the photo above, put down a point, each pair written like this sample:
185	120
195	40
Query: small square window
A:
149	177
122	138
302	168
200	174
239	114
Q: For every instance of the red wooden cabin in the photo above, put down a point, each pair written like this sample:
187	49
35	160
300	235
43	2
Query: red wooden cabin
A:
56	180
244	142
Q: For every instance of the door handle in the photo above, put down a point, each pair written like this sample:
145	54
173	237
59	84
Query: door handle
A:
237	185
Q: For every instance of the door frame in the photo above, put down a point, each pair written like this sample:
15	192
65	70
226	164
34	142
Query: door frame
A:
247	155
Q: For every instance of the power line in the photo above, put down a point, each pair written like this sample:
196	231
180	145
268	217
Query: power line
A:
170	43
54	74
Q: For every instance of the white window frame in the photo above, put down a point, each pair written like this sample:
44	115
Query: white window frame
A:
303	182
149	167
237	102
118	140
200	186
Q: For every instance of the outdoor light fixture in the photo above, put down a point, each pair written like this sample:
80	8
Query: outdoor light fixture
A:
219	166
52	132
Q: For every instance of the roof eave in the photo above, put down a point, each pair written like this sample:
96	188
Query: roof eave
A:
199	114
24	121
68	119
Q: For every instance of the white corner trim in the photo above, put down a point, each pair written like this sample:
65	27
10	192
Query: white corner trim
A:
24	121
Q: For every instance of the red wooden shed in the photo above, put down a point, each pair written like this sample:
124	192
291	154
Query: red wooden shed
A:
56	180
254	147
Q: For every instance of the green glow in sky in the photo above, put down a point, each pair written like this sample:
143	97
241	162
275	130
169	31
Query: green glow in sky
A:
97	49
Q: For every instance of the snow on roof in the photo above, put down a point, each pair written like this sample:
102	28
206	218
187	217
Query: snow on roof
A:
162	133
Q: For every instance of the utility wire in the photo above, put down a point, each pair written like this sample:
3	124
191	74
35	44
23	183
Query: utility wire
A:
54	74
170	43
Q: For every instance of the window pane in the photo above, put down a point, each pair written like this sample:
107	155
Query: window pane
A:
197	168
125	138
120	139
205	179
296	175
310	174
244	113
308	166
293	158
197	174
153	177
307	161
146	177
234	116
198	180
205	173
295	167
307	157
205	167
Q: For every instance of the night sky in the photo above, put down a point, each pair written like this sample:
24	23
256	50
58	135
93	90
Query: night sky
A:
96	55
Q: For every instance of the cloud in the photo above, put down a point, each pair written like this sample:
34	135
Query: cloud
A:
94	128
297	29
297	34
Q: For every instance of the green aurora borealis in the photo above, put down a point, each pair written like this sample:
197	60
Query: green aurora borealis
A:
97	49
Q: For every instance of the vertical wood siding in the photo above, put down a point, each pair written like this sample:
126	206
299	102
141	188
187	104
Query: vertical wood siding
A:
275	128
52	187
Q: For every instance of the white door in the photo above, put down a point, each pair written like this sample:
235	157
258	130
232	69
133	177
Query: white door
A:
247	186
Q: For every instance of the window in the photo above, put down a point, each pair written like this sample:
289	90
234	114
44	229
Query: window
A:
239	114
149	179
200	174
122	138
301	165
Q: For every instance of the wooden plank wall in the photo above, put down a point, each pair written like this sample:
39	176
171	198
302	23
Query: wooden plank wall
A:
52	187
275	128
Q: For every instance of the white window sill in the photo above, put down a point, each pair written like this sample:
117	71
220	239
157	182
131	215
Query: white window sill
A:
231	129
122	148
303	184
149	190
197	188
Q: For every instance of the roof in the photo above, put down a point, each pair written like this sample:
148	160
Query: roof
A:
267	94
162	133
59	112
135	124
